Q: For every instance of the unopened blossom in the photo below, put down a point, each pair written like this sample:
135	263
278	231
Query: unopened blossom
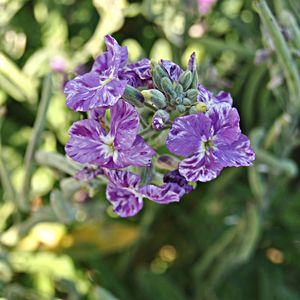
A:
119	148
125	194
104	85
209	142
174	71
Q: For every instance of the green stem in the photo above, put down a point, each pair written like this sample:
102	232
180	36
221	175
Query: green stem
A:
282	50
34	142
150	106
145	226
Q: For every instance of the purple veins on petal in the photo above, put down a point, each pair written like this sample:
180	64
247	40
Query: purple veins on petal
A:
175	177
173	70
124	193
119	148
209	142
137	74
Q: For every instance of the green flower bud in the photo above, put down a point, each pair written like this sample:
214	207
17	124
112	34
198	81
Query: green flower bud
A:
167	86
178	100
201	107
193	110
192	94
186	79
178	88
133	96
156	97
195	80
186	102
181	108
157	73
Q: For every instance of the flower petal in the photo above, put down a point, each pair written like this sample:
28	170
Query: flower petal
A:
139	154
200	167
86	143
187	132
97	113
169	192
125	203
237	154
225	123
173	70
124	124
124	179
137	74
224	97
118	55
101	64
88	91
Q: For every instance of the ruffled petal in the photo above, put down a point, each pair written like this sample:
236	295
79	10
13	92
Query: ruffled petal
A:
86	143
125	203
137	74
124	179
224	97
101	64
173	70
237	154
118	56
200	167
124	124
88	91
169	192
139	154
225	122
187	132
110	93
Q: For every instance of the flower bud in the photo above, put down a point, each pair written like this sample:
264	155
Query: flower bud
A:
185	79
160	118
195	80
167	86
157	73
133	96
193	110
178	88
178	100
167	162
192	94
186	102
201	107
156	97
181	108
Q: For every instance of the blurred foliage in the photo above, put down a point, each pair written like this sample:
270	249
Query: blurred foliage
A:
234	238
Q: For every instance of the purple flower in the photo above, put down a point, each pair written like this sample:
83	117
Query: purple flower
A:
104	85
125	194
173	70
210	100
210	142
175	177
119	148
137	74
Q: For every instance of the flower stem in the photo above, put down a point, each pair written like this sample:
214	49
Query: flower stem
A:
34	142
284	55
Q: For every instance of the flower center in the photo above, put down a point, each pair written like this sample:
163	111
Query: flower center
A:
208	144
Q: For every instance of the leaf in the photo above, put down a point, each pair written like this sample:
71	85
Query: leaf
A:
16	83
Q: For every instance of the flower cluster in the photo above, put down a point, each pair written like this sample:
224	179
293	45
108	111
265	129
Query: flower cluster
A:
128	105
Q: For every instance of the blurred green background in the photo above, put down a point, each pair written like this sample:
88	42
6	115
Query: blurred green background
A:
237	237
